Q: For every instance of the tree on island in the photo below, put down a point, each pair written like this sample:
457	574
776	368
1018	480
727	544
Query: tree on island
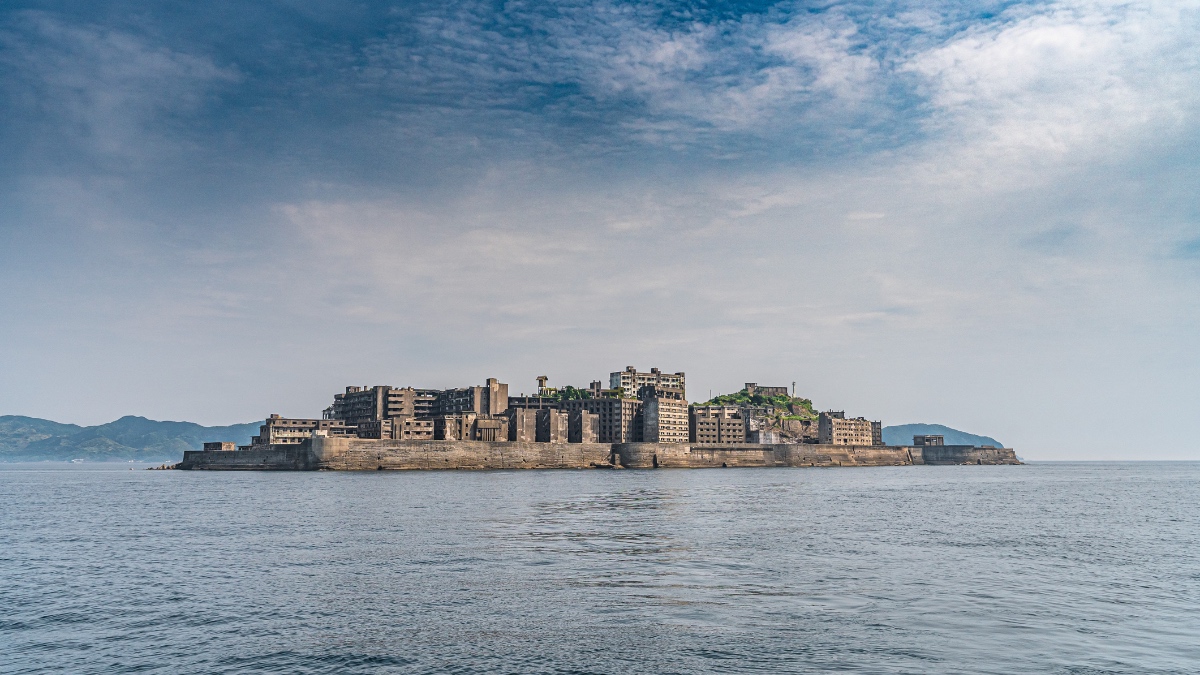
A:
786	407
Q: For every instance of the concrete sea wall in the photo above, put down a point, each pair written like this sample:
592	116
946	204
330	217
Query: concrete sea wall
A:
967	454
355	454
271	457
690	456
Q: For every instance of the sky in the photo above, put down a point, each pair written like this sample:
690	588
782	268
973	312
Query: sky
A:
978	214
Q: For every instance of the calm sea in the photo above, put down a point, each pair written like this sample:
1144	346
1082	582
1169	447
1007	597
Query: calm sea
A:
1045	568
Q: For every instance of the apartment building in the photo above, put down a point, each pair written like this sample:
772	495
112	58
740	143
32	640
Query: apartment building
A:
630	381
834	429
664	414
491	399
618	420
278	430
398	428
716	424
366	404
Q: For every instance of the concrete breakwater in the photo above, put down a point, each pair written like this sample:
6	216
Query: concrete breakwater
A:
355	454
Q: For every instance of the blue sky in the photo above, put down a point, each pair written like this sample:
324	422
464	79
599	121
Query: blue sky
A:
982	215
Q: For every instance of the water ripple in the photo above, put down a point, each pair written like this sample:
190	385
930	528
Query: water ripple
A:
1056	568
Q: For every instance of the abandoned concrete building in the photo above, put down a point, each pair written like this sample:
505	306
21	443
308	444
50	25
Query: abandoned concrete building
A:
365	404
664	414
490	399
277	430
532	402
804	430
638	407
582	427
467	426
929	439
397	428
716	424
630	381
619	420
551	426
835	429
753	389
522	424
406	413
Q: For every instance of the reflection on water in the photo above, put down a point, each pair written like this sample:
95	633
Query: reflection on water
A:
1072	568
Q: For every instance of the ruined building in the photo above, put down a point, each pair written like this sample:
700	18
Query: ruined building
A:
365	404
752	389
716	424
804	431
630	381
277	430
491	399
618	420
583	427
834	429
397	428
664	414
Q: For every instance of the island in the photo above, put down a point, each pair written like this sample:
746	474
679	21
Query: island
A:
641	420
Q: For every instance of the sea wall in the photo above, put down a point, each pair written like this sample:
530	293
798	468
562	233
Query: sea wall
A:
357	454
273	457
968	454
692	456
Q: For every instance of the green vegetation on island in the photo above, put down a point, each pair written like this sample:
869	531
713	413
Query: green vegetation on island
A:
786	407
569	393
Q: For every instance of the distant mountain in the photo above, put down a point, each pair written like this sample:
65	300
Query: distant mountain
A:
29	439
902	434
18	431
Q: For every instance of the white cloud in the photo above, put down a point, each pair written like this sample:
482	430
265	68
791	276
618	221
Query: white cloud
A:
108	90
1076	80
828	52
982	275
744	75
755	73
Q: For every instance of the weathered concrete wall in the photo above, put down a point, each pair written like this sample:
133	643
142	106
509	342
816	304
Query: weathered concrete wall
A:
354	454
845	455
359	454
693	456
966	454
295	457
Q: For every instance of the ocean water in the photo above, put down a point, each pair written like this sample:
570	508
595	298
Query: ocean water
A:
1045	568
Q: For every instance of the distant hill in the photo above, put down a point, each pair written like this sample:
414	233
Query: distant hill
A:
29	439
902	434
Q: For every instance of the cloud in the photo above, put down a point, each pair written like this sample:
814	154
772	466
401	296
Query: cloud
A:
961	210
625	71
103	91
1077	80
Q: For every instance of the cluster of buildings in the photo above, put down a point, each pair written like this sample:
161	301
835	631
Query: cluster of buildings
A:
636	406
